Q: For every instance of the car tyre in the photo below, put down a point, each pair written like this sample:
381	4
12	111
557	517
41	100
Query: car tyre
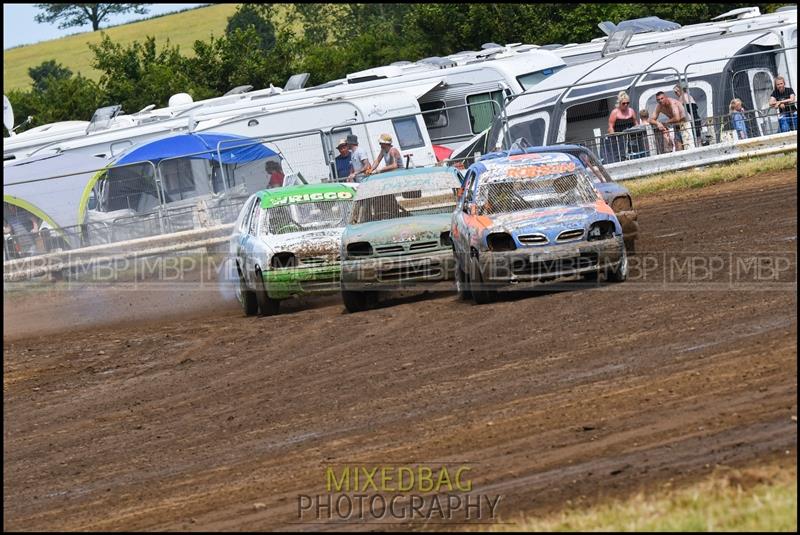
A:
462	284
619	273
480	294
267	305
247	298
355	301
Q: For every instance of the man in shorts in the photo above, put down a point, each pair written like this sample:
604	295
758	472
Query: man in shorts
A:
675	113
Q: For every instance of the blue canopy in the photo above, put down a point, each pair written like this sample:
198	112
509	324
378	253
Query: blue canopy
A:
234	149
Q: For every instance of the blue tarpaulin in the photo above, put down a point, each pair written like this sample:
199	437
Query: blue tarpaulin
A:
233	149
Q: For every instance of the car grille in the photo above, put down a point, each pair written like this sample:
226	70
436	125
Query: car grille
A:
389	249
328	283
554	266
423	245
426	270
570	235
532	239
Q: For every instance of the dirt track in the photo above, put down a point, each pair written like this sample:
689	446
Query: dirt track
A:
188	420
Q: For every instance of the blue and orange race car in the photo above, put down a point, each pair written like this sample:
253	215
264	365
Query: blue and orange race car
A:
527	217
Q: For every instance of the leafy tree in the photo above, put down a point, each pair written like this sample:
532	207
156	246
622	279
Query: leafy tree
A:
46	71
63	99
71	15
225	62
249	15
139	74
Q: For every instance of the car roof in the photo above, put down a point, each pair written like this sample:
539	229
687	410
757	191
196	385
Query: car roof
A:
516	158
268	197
396	181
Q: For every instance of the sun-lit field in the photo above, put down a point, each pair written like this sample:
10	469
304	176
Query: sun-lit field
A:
723	502
73	52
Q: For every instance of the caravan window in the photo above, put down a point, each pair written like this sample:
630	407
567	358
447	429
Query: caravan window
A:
434	119
482	111
583	119
408	133
763	85
532	78
532	131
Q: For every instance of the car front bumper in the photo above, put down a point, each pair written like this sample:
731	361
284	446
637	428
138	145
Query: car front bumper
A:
529	265
286	282
429	270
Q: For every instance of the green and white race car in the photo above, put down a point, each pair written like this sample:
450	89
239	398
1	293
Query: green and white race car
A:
286	242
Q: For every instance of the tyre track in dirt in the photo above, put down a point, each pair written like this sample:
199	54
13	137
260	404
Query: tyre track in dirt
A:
186	421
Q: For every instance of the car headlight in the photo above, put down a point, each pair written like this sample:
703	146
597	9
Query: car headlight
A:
445	240
359	249
601	230
500	241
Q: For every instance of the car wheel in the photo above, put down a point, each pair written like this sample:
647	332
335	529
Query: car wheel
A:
462	284
619	273
480	294
267	305
355	301
247	298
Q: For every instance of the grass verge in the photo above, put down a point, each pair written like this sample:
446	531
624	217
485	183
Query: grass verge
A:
752	499
688	179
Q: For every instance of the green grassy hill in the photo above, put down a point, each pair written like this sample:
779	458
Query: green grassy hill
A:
182	29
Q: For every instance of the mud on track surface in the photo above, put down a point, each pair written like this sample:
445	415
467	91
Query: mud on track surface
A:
187	420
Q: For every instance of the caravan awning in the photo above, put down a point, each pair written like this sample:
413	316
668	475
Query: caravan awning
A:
232	149
57	198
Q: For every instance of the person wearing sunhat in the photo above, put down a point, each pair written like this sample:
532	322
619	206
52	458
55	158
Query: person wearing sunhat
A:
344	167
390	155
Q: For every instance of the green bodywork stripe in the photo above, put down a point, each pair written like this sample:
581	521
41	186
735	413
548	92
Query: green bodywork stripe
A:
306	193
284	283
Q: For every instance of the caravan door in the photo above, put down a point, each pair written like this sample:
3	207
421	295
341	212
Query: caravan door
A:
754	87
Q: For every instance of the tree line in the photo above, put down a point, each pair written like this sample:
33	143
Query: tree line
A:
260	48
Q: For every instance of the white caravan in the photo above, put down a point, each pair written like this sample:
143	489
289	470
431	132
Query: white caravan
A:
573	105
470	77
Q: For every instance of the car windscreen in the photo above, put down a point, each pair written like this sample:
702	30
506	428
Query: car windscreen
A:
512	194
405	204
408	196
307	216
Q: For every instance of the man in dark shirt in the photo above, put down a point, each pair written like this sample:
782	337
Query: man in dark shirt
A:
783	100
344	166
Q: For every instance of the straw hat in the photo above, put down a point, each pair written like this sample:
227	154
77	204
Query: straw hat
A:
341	142
385	138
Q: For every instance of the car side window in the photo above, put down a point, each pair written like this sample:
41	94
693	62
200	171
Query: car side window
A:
245	221
254	217
469	182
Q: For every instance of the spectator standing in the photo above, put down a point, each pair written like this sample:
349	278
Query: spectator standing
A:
662	139
358	158
344	167
737	118
622	117
390	155
676	117
692	111
783	100
275	174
